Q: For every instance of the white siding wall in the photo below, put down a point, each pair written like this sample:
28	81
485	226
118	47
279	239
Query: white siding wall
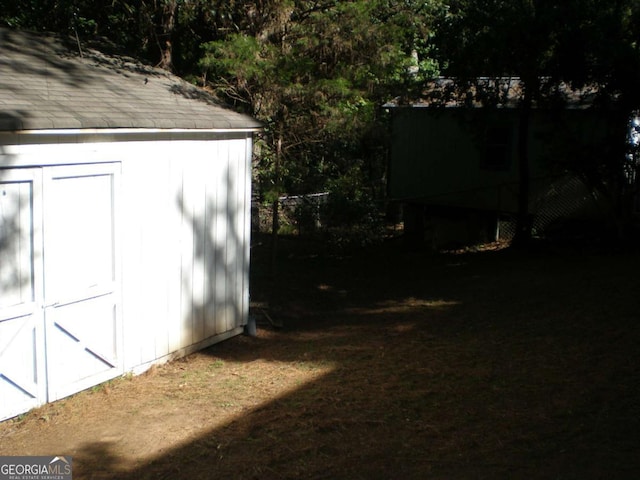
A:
186	266
181	241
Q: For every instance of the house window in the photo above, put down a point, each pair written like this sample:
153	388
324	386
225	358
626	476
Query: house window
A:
497	149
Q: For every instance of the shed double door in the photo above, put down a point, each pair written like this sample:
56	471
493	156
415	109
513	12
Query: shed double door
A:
59	291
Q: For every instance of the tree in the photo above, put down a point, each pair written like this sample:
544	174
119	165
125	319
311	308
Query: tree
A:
498	39
546	43
314	71
602	48
315	75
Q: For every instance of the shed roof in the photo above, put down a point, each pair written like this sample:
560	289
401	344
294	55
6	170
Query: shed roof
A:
499	92
45	84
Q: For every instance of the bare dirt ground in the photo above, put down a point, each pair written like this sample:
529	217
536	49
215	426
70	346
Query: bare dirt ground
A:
390	365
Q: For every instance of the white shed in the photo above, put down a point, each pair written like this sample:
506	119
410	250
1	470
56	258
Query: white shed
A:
124	219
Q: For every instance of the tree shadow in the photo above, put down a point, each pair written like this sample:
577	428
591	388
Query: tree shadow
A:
40	55
483	367
45	78
215	274
11	227
53	82
44	82
439	369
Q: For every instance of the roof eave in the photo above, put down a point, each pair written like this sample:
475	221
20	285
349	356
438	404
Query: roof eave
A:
102	135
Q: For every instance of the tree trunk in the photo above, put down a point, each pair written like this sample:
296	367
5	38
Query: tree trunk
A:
524	219
275	213
166	43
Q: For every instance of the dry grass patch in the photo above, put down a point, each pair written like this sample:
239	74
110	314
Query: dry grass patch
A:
401	365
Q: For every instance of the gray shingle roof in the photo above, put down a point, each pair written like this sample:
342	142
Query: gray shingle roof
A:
501	92
45	85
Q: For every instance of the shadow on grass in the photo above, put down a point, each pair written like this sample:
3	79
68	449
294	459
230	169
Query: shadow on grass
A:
491	366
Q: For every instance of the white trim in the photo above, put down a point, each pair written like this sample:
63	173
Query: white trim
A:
115	135
129	131
183	352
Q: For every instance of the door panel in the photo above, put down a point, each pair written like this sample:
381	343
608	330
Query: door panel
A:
79	235
16	242
81	279
21	382
60	327
82	345
22	379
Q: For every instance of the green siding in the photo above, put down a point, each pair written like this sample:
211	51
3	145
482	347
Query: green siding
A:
437	155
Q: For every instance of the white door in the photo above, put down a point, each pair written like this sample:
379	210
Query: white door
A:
81	277
22	378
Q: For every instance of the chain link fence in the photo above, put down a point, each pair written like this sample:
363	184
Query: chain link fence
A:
297	214
566	207
563	208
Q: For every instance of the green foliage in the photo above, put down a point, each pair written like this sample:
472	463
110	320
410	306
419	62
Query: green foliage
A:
238	56
315	77
316	71
313	71
351	216
575	42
